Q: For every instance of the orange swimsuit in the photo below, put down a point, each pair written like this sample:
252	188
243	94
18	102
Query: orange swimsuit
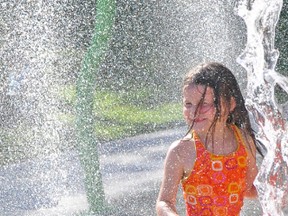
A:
217	182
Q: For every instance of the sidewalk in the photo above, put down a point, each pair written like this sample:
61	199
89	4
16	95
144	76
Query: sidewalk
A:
52	186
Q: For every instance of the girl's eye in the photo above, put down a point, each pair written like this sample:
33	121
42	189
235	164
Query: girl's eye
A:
207	104
205	107
188	104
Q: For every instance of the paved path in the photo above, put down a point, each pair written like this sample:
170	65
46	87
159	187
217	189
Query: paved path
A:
53	186
132	169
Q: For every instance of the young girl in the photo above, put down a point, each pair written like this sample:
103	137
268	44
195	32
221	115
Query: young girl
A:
216	161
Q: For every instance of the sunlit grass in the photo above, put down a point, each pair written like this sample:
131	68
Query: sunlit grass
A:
122	114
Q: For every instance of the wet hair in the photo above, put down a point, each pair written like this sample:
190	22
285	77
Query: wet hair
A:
225	86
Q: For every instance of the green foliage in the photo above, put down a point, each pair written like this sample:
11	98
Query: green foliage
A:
281	39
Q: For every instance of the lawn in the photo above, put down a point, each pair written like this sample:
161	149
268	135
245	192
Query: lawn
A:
121	114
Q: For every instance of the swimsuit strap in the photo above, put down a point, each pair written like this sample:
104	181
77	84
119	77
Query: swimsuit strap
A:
238	134
200	147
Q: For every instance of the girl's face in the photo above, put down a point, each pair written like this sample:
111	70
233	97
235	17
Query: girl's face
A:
204	117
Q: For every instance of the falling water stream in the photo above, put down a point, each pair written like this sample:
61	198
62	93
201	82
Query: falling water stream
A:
259	59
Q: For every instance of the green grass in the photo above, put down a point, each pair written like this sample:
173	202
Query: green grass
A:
121	114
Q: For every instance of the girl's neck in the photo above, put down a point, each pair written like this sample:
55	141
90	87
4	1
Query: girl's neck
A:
218	132
219	141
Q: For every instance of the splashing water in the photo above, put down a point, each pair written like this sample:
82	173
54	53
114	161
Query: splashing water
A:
259	59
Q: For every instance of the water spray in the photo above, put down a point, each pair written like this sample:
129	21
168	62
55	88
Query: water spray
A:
259	59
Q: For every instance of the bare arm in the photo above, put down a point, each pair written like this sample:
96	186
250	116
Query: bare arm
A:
173	172
252	171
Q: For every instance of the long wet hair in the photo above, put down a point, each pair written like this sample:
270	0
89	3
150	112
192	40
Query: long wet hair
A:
225	86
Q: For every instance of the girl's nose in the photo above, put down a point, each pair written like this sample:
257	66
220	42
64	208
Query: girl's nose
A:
193	113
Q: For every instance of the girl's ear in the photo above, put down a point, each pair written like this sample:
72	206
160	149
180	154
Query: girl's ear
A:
232	104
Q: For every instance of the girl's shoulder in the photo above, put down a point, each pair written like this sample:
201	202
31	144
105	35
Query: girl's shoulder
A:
183	146
184	151
183	142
